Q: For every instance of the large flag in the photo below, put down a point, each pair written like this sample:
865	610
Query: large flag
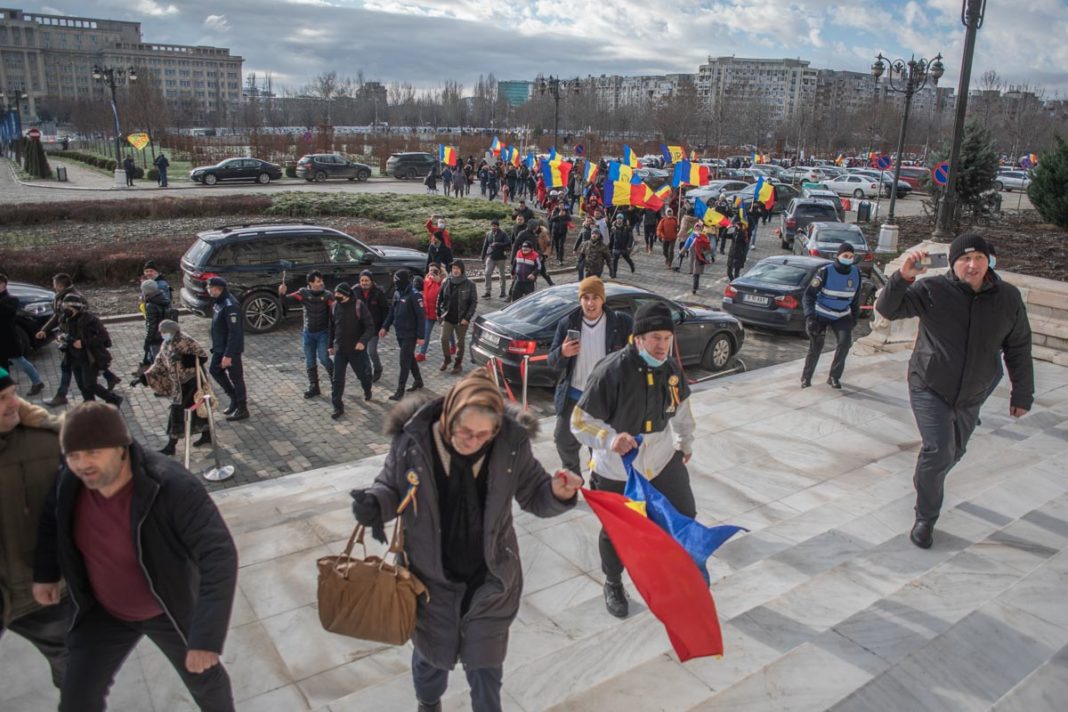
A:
530	160
687	173
672	154
839	160
656	200
709	216
495	147
555	173
764	192
619	172
447	154
591	171
552	153
629	157
624	192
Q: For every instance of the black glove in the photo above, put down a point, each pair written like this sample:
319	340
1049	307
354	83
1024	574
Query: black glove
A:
367	512
189	360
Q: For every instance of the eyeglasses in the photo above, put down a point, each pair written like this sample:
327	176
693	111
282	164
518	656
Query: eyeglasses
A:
467	435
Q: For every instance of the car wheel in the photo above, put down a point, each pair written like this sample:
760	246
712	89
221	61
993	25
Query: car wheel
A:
858	194
363	176
320	176
25	341
210	179
262	312
869	303
998	185
718	353
263	178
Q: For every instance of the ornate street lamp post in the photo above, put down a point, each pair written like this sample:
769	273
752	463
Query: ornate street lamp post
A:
112	77
558	89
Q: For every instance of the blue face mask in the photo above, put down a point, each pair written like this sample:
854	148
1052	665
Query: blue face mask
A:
845	260
993	262
650	359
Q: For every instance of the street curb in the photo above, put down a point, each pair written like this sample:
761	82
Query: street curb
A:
136	316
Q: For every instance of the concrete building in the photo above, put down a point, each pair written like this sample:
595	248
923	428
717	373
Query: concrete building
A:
614	91
53	56
785	86
516	92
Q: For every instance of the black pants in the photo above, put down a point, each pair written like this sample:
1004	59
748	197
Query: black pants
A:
696	281
86	375
615	262
361	366
673	482
46	629
722	233
669	251
431	682
521	289
650	236
735	265
843	331
945	431
567	447
407	363
99	645
232	379
558	246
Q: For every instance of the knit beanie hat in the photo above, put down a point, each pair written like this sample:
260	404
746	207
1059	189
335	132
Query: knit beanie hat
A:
169	326
5	379
75	299
474	389
653	316
150	264
592	285
344	289
369	274
217	282
93	425
402	278
460	264
149	287
844	247
965	243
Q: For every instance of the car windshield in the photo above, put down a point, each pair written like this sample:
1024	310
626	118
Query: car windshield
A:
836	236
778	273
813	210
543	308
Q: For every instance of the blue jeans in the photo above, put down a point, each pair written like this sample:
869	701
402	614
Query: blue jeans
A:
28	369
372	353
316	344
428	329
752	233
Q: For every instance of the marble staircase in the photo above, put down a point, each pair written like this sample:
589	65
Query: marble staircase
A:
825	604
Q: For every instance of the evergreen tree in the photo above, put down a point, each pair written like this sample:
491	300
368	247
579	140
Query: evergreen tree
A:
35	160
1049	185
977	169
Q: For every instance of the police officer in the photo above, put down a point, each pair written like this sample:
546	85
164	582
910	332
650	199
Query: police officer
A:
227	345
638	390
831	300
600	331
317	303
408	315
351	327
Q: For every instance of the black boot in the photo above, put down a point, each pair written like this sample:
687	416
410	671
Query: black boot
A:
204	439
338	412
424	707
397	396
35	389
240	413
230	408
922	534
615	599
377	375
834	382
313	383
169	448
56	400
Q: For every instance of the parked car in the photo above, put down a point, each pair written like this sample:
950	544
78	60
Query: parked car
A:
320	166
769	294
903	188
1012	180
853	185
799	213
410	164
712	190
706	337
829	196
821	239
35	308
254	259
784	193
653	177
233	170
915	176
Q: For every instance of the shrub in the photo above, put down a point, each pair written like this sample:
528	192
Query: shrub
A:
153	174
132	209
94	263
1049	185
291	171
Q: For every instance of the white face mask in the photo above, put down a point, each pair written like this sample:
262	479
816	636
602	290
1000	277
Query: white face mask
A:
167	336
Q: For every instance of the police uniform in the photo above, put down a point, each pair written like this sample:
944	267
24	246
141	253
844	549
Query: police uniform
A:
831	300
228	341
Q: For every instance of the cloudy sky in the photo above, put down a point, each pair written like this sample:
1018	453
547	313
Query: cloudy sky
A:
427	41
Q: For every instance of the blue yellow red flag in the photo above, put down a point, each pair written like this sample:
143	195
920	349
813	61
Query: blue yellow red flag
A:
764	192
629	157
672	154
447	154
709	216
688	173
591	171
619	172
495	147
552	153
555	173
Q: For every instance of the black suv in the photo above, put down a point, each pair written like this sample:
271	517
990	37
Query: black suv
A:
35	308
410	164
320	166
802	211
254	259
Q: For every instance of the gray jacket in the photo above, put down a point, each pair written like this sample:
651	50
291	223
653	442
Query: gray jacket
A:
480	638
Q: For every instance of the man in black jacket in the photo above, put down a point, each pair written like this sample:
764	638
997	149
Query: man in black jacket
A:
227	345
438	252
350	329
156	306
495	251
600	332
317	303
969	318
408	315
620	242
457	302
558	225
86	349
144	551
374	298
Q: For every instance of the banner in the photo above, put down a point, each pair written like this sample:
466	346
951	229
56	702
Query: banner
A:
138	140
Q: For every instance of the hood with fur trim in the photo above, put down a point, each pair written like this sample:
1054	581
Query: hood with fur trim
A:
410	405
34	416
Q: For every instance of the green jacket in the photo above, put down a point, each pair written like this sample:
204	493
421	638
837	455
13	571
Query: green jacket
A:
29	461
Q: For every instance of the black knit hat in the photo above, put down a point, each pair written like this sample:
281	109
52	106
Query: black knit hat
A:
93	425
402	278
965	243
653	316
343	288
368	273
75	299
5	379
844	247
460	264
150	264
217	282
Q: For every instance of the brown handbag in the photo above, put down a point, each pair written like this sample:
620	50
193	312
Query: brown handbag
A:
368	598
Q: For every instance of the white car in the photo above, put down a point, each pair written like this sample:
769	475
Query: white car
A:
853	185
1012	180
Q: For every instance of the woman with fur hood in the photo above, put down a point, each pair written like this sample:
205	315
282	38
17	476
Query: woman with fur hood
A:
464	458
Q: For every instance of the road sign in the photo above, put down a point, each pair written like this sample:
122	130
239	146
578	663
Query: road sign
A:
34	134
580	150
883	163
940	173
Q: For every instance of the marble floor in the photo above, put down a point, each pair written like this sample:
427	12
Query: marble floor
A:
824	605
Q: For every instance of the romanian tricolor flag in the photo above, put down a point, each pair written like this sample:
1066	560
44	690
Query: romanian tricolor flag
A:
1030	160
665	554
555	173
495	147
658	197
687	173
447	154
693	155
764	192
619	172
672	154
591	172
709	216
839	160
511	155
530	161
629	157
624	192
552	153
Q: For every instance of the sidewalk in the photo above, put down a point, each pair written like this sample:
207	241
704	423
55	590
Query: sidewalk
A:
824	605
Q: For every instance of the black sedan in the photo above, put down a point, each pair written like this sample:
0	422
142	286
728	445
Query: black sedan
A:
233	170
706	337
35	308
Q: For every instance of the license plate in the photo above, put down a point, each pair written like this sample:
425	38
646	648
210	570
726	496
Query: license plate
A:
491	339
756	299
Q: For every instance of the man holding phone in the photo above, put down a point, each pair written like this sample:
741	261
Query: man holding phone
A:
969	317
582	339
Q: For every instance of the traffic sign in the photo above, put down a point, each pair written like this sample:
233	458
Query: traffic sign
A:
34	134
883	163
580	150
940	173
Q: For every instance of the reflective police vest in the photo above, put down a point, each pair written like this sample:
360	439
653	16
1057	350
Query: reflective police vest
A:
836	294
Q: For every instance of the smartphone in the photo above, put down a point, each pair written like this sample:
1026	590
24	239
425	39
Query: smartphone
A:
573	334
936	260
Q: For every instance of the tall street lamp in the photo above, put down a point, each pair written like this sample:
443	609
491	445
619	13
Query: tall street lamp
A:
905	78
971	16
112	77
558	89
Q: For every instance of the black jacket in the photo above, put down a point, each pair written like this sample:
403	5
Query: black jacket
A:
156	308
59	315
317	306
351	324
621	238
183	544
617	330
808	299
86	327
440	254
376	303
227	329
407	314
497	245
962	334
558	224
467	300
10	346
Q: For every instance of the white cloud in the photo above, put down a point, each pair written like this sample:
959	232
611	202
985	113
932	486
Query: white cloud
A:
217	23
154	9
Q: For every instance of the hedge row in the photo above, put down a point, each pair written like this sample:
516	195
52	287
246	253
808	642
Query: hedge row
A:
103	264
107	164
135	208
